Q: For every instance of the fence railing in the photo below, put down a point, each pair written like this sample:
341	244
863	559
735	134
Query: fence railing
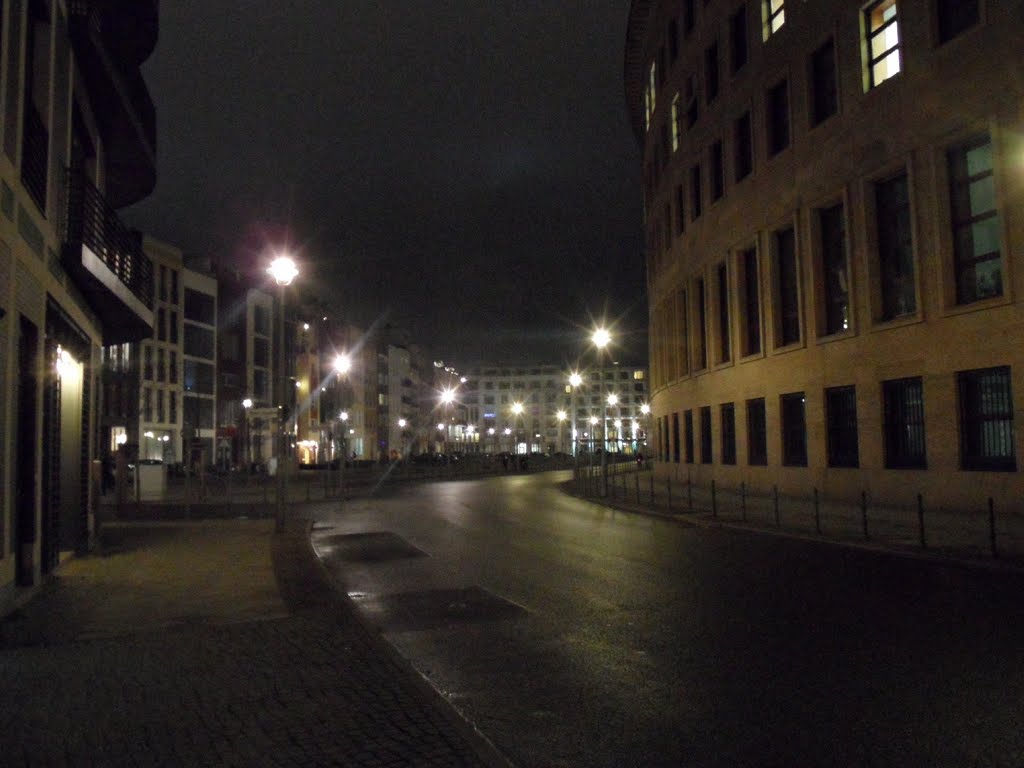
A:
982	530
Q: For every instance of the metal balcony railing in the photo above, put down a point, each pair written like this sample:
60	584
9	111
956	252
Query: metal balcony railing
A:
35	152
90	221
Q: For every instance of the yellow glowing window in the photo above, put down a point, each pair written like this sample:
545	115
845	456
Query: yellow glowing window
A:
774	16
676	118
881	23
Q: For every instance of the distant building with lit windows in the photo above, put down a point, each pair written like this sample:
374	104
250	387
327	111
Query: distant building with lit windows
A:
834	209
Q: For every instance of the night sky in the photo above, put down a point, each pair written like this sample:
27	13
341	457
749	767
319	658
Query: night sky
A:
463	168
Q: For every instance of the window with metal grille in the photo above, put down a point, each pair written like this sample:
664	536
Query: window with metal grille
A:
841	426
975	219
787	286
881	26
986	420
675	438
824	86
728	419
956	16
757	432
688	434
794	430
706	456
903	423
832	231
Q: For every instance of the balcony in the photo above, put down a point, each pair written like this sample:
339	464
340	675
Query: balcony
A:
35	157
107	262
111	39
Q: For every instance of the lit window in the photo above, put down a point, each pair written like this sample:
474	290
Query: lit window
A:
881	24
677	122
774	12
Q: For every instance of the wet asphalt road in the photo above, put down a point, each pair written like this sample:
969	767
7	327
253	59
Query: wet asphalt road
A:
572	635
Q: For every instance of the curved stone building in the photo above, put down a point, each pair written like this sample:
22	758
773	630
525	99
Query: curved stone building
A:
834	213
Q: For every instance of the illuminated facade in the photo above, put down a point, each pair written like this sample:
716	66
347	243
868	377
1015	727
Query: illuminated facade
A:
77	135
833	198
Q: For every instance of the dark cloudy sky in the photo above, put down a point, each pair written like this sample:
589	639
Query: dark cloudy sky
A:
463	167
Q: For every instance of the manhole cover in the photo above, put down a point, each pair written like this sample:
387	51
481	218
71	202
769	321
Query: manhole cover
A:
435	608
368	547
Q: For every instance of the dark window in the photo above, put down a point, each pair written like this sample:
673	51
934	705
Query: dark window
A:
705	435
824	89
711	72
695	197
895	247
261	352
673	40
173	415
675	437
173	298
975	222
728	415
199	377
788	289
841	418
173	327
261	384
738	38
778	118
198	412
198	341
744	147
230	347
751	302
757	432
147	366
717	171
689	17
261	320
688	431
200	307
159	406
680	210
702	327
832	224
986	420
692	105
903	422
724	332
956	16
667	226
173	368
794	430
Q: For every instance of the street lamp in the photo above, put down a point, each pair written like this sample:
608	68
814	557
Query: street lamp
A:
283	270
613	400
247	436
575	380
561	415
517	409
447	398
601	338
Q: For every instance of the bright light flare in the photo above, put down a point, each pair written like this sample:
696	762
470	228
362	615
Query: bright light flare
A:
283	270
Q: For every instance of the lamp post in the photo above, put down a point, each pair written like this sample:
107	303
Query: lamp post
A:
613	401
561	430
601	338
447	398
575	380
247	436
283	270
342	365
645	410
517	409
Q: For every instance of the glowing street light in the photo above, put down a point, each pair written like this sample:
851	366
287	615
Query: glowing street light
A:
601	338
645	409
342	364
283	270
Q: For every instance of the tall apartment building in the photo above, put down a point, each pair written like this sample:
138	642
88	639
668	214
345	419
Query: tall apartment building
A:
490	395
833	198
77	134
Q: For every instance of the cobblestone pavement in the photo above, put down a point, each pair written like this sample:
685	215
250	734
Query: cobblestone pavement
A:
148	655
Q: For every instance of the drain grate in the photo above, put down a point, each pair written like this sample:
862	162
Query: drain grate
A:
374	547
435	608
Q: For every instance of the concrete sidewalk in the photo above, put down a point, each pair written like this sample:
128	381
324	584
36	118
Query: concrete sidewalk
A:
212	643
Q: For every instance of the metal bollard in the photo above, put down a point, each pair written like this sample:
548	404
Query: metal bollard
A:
992	526
920	520
864	511
775	495
817	513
